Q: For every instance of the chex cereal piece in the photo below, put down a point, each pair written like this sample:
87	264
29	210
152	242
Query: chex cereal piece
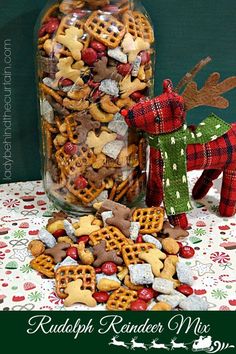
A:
110	87
113	237
151	239
138	25
86	195
184	273
194	303
134	230
163	286
44	265
141	274
47	238
113	149
68	261
67	274
121	299
173	299
131	253
75	163
150	219
105	28
118	55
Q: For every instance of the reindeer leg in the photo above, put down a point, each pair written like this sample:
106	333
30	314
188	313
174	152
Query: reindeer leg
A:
228	194
205	183
179	220
154	187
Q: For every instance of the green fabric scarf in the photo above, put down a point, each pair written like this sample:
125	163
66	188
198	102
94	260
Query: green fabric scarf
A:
173	147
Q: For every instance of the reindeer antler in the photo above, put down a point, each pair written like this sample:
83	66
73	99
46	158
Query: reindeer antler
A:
189	76
210	94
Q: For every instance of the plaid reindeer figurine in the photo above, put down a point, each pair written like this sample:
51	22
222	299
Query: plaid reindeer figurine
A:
176	149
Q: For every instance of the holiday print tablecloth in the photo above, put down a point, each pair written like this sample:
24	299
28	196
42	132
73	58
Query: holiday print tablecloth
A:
24	209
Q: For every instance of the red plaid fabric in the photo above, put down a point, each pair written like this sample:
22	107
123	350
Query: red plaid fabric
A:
165	114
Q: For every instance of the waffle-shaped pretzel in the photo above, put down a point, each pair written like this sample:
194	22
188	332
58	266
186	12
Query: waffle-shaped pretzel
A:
113	237
69	21
105	28
65	275
130	253
138	25
75	164
121	299
43	264
88	194
150	219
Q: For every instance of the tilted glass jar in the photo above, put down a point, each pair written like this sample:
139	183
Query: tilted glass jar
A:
94	58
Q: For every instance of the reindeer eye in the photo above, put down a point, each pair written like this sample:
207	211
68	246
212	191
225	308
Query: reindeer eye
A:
157	119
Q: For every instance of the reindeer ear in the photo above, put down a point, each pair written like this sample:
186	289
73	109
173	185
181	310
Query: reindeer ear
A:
168	86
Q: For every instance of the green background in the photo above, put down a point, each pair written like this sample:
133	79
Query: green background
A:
14	326
186	31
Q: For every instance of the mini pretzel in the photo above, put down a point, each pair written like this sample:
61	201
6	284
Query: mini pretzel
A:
128	156
48	91
100	115
108	106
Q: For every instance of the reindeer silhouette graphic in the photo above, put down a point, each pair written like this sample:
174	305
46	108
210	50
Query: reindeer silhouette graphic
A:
155	345
136	345
117	343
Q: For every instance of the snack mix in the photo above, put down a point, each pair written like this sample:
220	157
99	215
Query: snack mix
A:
95	58
96	263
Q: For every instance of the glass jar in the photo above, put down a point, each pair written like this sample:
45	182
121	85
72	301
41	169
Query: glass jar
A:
94	58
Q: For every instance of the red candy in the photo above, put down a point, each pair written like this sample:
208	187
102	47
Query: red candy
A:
138	305
89	56
101	297
70	149
93	84
124	69
101	55
186	252
84	239
72	252
50	27
59	233
96	95
80	182
147	294
139	239
145	57
109	268
136	96
98	270
98	46
185	290
66	82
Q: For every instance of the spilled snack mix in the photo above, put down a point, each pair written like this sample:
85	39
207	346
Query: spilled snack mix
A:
95	58
102	265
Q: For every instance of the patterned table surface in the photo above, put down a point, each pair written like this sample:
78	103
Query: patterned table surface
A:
21	288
